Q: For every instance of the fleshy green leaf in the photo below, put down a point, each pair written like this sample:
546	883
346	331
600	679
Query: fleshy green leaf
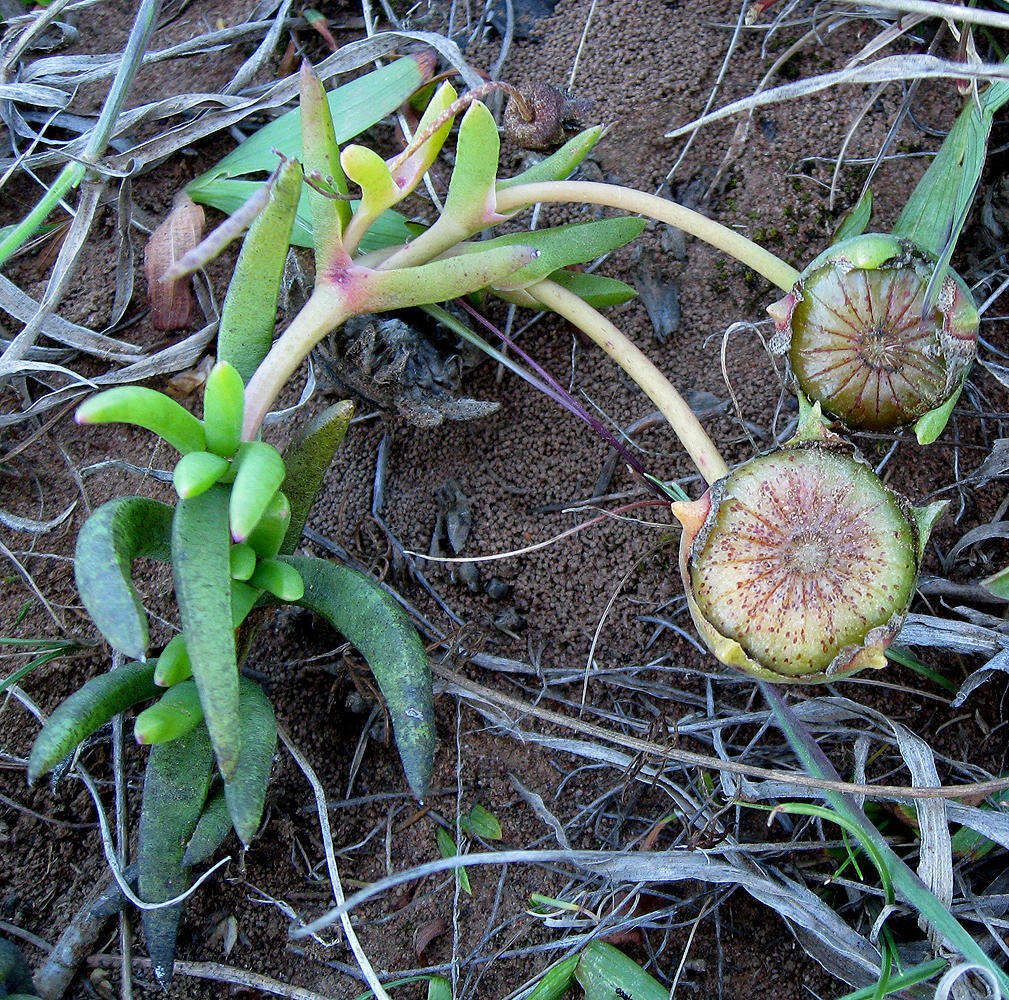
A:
856	219
175	787
368	617
408	173
444	279
928	427
246	792
321	153
201	561
87	710
561	246
595	289
559	164
998	583
212	829
554	983
481	823
112	537
306	459
379	191
249	314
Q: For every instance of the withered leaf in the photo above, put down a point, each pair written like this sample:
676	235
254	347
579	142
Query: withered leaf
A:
172	301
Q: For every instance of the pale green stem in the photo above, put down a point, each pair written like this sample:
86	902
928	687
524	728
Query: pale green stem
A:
324	311
627	199
653	383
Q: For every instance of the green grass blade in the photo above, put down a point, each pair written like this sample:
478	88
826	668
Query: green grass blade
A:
603	969
369	618
906	882
355	106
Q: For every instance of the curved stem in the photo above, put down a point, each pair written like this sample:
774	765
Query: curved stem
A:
628	200
653	383
324	311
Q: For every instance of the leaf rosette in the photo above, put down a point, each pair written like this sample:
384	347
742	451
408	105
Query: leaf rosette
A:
800	565
863	338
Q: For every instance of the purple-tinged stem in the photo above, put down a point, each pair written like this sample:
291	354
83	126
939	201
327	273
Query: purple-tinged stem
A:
652	382
560	395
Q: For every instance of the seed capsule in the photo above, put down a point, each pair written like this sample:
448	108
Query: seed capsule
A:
858	337
801	564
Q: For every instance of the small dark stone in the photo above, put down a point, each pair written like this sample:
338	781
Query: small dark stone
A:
498	589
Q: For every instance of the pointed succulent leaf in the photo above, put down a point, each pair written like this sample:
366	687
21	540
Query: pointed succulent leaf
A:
175	788
173	715
279	579
88	709
212	829
201	563
268	535
408	172
470	202
259	471
561	246
173	664
243	561
306	459
354	108
443	279
370	619
196	472
927	428
924	521
246	792
147	408
597	290
244	598
223	404
559	164
112	537
378	191
249	314
321	153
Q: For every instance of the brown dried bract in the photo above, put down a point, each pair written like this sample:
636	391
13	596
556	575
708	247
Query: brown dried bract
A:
172	301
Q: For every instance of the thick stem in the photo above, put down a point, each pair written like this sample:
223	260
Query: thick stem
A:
653	383
628	200
324	311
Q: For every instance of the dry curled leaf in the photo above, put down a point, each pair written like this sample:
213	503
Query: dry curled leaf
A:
172	301
426	933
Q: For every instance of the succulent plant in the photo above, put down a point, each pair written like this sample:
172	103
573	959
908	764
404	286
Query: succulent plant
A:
800	564
860	340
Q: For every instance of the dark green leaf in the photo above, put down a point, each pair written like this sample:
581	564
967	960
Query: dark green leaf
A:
211	831
856	219
370	619
175	787
246	792
306	459
201	561
112	537
560	164
447	848
87	710
595	289
249	314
